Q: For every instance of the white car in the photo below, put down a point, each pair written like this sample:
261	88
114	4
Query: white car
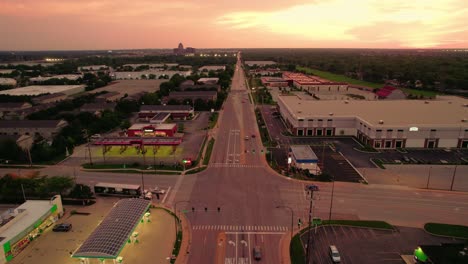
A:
335	255
158	190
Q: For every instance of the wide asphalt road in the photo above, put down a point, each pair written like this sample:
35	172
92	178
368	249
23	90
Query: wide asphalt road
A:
248	192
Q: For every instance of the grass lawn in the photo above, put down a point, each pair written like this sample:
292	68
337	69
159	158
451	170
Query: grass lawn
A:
296	251
424	93
339	78
447	230
371	224
213	119
163	152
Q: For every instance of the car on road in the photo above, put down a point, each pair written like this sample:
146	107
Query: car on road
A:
334	254
64	227
253	136
311	187
257	253
157	190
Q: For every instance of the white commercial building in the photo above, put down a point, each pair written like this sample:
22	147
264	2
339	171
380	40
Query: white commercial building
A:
43	89
6	71
72	77
212	68
139	74
8	81
303	157
440	123
21	225
260	63
93	68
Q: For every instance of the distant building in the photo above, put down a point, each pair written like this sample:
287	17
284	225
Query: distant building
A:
93	68
181	51
71	77
23	113
148	112
6	108
8	82
274	82
97	108
109	97
49	98
212	68
45	128
44	89
313	84
146	74
265	72
194	95
6	71
260	63
208	80
390	93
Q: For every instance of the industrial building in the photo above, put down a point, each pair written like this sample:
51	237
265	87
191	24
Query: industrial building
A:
152	130
260	63
138	74
440	123
274	82
49	98
149	112
93	68
45	128
8	81
109	97
71	77
212	68
314	84
194	95
21	225
44	89
9	107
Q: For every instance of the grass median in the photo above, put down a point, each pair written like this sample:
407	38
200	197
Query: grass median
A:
447	230
209	149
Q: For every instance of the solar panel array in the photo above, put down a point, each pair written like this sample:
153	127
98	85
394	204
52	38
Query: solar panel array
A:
114	231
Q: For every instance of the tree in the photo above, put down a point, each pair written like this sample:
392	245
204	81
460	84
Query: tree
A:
152	76
58	184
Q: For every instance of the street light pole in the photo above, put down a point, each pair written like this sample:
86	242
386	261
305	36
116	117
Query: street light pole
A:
175	218
428	177
453	177
331	200
292	217
310	223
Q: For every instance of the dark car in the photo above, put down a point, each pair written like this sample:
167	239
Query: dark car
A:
257	253
253	136
62	227
312	187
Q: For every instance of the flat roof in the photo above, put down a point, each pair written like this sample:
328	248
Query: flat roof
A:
30	123
160	116
118	185
30	212
445	111
155	126
193	93
212	67
260	63
165	108
126	141
40	89
303	152
108	239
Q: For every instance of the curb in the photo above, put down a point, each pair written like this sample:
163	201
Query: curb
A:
462	238
186	244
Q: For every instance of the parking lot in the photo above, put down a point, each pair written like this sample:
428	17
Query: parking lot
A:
366	245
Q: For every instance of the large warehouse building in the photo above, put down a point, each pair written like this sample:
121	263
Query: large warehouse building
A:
440	123
44	89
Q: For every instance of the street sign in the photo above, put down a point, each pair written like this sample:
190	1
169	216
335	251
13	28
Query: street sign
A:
316	221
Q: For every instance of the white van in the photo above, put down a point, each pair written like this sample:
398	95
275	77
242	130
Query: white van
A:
334	254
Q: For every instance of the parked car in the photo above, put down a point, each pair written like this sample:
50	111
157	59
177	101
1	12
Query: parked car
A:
64	227
253	136
246	138
312	187
257	253
334	254
158	190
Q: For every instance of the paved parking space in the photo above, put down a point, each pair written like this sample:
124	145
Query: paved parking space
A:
155	246
365	245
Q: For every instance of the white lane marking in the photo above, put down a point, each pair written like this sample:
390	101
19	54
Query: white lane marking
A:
250	251
227	149
236	246
256	233
165	196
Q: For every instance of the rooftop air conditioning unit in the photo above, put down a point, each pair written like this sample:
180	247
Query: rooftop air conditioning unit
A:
346	102
330	113
381	122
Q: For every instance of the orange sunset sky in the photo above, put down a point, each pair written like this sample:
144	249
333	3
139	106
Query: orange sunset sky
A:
134	24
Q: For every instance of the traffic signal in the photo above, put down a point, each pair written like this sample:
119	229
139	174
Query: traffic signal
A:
193	209
219	209
206	209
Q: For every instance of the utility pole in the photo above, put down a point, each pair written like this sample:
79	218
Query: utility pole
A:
428	177
89	148
453	177
311	189
331	200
